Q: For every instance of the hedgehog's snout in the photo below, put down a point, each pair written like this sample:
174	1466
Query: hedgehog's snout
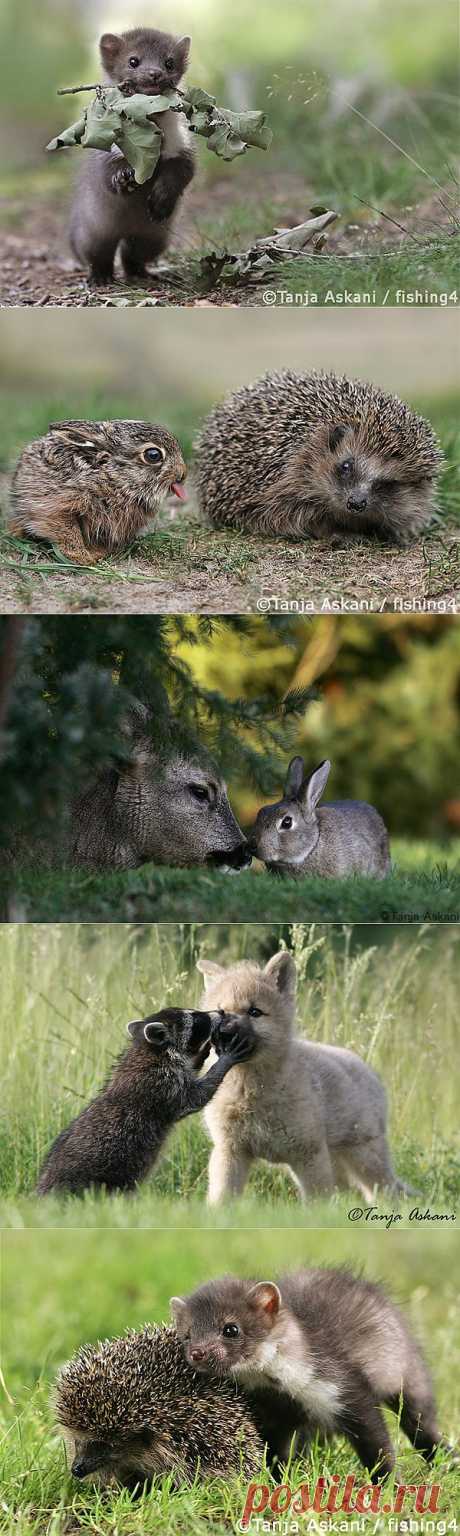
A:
357	502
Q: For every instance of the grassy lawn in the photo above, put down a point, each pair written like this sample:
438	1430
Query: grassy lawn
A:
184	566
388	994
78	1288
423	887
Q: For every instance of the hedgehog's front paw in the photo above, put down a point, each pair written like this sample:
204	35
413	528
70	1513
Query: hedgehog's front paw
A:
123	181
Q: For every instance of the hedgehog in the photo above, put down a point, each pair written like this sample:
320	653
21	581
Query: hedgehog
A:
313	454
132	1408
91	486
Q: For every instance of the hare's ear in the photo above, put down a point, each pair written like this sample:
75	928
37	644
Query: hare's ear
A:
79	434
316	784
294	778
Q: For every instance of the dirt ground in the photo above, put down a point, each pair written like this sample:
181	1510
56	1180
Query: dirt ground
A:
38	270
186	567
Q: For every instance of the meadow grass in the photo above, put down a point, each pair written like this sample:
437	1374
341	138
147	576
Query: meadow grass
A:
391	995
424	886
81	1286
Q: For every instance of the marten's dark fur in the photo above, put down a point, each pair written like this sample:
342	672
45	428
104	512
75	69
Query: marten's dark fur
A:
116	1140
321	1350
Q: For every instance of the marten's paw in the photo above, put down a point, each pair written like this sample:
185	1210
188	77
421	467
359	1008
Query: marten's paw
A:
161	204
123	180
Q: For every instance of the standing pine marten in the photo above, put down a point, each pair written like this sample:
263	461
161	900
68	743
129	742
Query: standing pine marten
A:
315	455
110	210
117	1139
320	1350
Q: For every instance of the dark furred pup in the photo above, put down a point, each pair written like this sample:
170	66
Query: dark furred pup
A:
131	1409
91	486
110	210
117	1139
312	454
321	1350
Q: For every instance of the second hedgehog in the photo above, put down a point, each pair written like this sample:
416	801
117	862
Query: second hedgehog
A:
314	454
90	486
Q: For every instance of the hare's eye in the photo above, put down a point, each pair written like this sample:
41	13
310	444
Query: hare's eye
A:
134	62
154	455
286	823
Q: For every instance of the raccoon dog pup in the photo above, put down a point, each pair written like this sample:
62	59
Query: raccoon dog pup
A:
117	1139
321	1350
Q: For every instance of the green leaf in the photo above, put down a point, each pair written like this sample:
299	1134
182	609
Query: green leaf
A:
141	147
69	136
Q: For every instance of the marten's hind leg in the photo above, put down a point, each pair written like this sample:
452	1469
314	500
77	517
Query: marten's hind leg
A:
419	1424
135	252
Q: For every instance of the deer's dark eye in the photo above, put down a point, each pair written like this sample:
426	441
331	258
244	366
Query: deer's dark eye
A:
286	823
198	792
346	468
169	64
230	1331
134	62
254	1013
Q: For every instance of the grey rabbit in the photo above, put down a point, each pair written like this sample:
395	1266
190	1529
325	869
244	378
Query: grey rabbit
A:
344	837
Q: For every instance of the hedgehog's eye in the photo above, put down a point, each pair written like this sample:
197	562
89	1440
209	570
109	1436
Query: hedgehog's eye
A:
230	1331
134	62
169	64
153	455
346	468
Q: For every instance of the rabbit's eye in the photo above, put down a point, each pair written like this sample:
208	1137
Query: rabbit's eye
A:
154	455
286	823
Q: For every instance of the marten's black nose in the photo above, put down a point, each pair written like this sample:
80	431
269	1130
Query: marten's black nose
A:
357	502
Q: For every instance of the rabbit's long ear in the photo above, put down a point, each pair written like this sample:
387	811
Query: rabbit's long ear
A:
294	779
80	434
315	785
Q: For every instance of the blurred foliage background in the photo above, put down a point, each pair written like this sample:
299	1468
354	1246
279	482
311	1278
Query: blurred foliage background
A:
314	67
379	695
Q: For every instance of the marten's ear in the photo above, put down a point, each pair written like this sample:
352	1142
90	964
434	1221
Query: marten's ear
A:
209	967
178	1307
266	1298
156	1035
294	778
182	51
109	49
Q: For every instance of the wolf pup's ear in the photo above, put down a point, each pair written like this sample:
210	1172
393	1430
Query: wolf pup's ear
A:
266	1298
281	969
209	968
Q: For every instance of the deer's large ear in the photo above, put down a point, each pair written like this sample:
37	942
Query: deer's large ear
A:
109	49
281	969
266	1298
209	967
315	785
294	779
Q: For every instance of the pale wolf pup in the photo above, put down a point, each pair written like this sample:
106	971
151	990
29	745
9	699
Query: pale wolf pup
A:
318	1109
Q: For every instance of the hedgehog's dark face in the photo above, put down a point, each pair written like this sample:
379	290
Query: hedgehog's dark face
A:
364	491
117	1458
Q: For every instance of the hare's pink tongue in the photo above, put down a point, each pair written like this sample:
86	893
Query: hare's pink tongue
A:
179	491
